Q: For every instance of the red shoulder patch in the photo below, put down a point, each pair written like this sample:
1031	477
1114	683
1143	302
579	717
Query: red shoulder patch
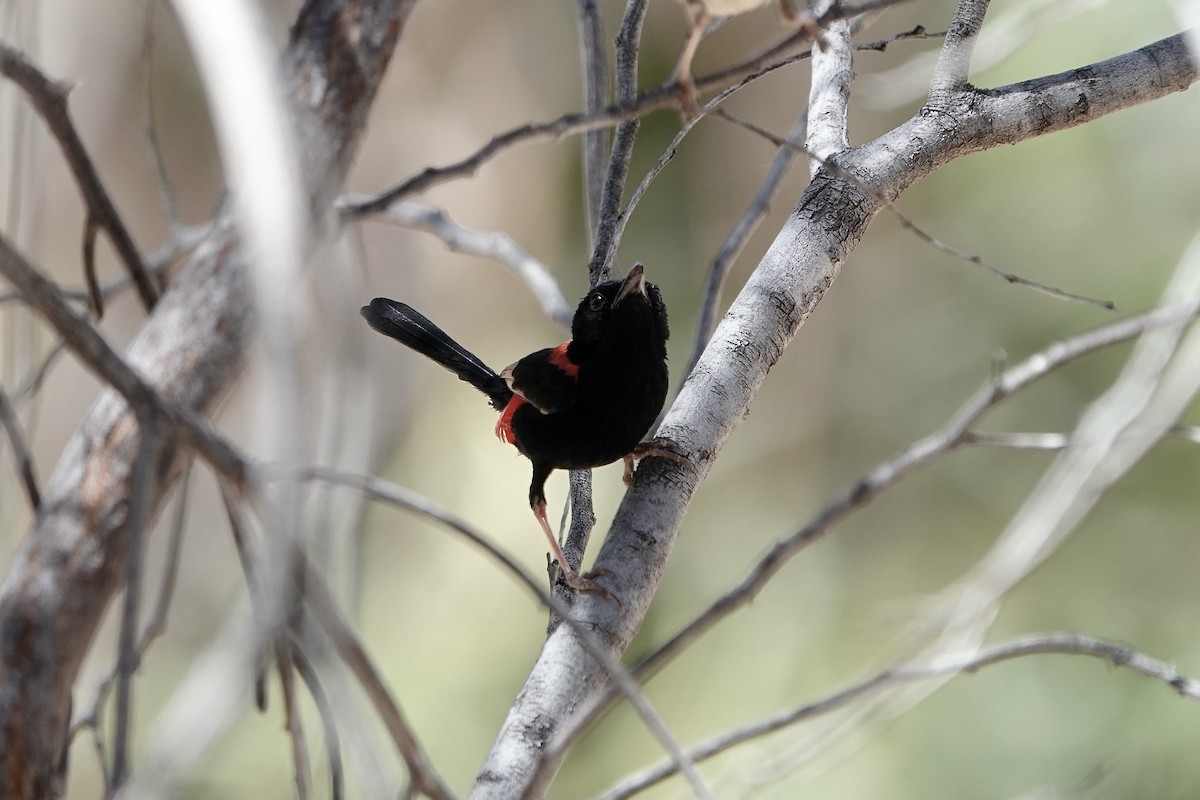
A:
560	359
504	431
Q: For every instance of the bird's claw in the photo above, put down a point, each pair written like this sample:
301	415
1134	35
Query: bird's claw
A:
658	447
587	583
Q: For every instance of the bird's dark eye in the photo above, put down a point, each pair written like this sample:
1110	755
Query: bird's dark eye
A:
596	301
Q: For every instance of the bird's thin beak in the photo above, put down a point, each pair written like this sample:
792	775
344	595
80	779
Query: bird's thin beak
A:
635	281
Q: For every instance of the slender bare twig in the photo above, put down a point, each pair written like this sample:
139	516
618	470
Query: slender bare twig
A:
881	45
1118	656
596	97
952	435
154	628
50	99
182	241
628	42
498	246
150	446
22	458
713	106
907	223
1018	441
753	216
286	666
333	747
166	190
95	296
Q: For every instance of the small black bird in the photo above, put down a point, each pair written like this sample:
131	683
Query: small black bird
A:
585	403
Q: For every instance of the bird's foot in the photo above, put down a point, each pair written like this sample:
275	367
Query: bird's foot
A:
658	447
587	582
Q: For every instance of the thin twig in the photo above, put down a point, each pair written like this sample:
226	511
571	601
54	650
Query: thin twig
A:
718	271
50	99
286	667
922	234
497	246
628	42
154	628
166	190
1118	656
333	747
22	458
596	97
182	242
1018	441
150	445
95	296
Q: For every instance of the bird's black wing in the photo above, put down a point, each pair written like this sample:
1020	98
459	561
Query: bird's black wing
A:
547	379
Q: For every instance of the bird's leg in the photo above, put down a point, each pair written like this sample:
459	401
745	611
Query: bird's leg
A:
689	103
581	583
658	447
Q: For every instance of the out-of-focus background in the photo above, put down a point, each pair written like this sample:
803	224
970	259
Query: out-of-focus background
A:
901	340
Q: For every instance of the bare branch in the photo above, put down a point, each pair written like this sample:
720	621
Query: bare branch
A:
1032	645
150	448
596	97
22	458
498	246
50	99
718	271
1057	102
333	747
286	667
628	42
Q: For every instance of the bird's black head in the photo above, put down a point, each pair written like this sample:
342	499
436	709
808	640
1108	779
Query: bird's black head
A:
617	311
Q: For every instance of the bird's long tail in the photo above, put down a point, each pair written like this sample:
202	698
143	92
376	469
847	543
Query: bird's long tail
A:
408	326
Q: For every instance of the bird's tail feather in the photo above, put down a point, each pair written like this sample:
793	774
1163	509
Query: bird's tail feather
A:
409	327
